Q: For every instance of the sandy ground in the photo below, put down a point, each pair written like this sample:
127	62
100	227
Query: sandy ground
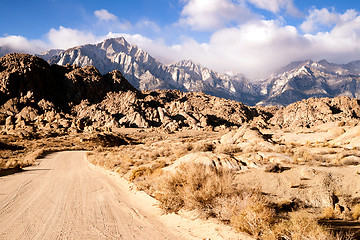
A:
65	197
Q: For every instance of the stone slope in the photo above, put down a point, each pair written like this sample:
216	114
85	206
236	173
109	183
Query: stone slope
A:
317	111
22	73
36	96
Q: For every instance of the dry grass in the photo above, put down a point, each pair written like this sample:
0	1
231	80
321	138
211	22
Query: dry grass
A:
227	148
210	192
253	215
193	187
299	226
213	193
356	212
328	213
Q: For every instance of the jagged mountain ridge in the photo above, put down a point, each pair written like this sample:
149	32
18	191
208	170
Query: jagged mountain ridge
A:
303	80
146	73
47	55
294	82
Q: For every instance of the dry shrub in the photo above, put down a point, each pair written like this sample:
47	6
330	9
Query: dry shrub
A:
285	149
227	148
212	193
302	155
182	149
7	164
253	215
356	212
300	226
202	146
144	171
154	155
328	213
193	187
139	172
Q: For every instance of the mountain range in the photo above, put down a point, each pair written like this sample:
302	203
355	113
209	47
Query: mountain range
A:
294	82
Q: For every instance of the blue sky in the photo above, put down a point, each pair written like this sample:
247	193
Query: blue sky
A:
246	36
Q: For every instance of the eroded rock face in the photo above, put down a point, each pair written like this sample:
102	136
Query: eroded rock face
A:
173	110
36	96
316	111
22	73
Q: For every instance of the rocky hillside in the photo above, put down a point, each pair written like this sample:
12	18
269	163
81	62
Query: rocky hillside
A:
47	55
62	99
21	73
317	111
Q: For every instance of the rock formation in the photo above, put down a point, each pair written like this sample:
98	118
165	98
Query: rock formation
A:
37	98
316	111
64	99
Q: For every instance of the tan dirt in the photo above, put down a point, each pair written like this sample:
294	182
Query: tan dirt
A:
65	197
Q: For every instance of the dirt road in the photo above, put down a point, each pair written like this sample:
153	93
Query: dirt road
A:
65	198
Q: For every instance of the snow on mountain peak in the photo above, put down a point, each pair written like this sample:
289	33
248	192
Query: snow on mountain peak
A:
294	82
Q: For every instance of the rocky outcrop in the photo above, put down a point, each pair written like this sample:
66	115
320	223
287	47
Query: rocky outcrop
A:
22	73
173	110
317	111
37	97
210	160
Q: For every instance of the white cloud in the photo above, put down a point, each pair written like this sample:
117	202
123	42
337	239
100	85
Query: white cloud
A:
212	14
105	15
148	25
22	44
110	22
319	18
276	5
341	43
260	46
251	48
255	47
66	37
